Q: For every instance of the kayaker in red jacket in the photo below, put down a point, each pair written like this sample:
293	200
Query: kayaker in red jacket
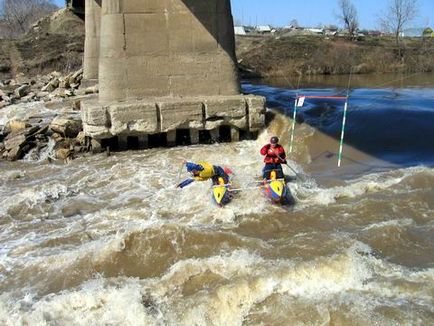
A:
274	156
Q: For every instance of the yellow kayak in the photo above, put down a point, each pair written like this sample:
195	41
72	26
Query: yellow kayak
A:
221	193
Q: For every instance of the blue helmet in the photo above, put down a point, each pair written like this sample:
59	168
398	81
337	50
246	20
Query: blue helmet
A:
193	167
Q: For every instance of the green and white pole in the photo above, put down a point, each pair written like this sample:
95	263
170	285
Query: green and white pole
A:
294	115
341	146
344	120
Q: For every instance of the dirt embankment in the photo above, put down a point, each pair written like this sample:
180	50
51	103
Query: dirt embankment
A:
313	55
55	43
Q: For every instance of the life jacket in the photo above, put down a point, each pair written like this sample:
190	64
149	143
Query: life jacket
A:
206	173
274	155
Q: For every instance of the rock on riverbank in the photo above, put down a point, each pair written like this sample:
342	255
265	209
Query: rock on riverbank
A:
41	116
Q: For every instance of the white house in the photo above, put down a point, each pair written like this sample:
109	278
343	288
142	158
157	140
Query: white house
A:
240	30
263	29
315	30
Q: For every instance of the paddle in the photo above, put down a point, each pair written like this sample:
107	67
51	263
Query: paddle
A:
286	163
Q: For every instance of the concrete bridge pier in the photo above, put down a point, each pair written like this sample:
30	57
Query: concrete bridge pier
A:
92	40
164	67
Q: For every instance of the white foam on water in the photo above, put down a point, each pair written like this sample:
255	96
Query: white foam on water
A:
136	192
32	197
393	181
95	303
23	111
391	223
245	280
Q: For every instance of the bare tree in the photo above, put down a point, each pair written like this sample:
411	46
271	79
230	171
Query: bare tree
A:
19	15
348	16
398	15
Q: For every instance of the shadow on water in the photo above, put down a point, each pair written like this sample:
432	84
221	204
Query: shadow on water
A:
390	118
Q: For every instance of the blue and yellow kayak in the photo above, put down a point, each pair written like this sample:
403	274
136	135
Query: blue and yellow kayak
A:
221	193
276	189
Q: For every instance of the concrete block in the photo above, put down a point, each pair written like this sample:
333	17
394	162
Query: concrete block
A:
256	112
97	132
225	106
94	114
214	124
133	117
240	123
181	113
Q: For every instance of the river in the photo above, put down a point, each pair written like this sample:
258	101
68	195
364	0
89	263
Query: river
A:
111	241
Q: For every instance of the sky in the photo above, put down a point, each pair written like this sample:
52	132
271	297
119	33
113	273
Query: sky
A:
313	13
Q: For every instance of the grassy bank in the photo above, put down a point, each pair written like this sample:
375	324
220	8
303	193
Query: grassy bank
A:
313	55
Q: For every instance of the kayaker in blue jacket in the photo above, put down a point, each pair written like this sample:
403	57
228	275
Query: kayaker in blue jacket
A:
202	171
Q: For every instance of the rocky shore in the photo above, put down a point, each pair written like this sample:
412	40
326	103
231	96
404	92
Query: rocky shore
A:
40	117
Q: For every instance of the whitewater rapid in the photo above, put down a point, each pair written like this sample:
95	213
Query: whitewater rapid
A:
111	240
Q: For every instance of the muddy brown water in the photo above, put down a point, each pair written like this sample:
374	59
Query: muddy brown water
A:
111	241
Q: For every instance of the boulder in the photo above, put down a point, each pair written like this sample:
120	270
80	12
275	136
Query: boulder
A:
96	146
42	94
66	126
57	138
29	97
77	76
51	86
22	91
63	153
13	154
15	126
91	90
76	105
81	138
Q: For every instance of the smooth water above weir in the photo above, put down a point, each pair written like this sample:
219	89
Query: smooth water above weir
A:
109	240
385	127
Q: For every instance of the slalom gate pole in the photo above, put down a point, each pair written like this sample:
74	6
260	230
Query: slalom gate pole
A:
341	145
294	116
344	120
